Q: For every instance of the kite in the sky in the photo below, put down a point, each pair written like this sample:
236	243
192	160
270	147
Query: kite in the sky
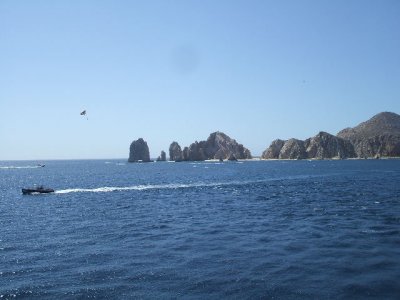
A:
83	113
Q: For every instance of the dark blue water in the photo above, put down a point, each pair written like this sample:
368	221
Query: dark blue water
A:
266	229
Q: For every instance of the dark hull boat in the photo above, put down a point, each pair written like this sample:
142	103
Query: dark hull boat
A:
37	190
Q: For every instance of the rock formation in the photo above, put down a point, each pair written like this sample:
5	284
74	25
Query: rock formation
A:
321	146
185	154
273	151
221	146
175	152
162	157
217	146
196	151
377	137
293	149
139	151
325	145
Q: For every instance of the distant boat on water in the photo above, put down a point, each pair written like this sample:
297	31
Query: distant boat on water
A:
37	190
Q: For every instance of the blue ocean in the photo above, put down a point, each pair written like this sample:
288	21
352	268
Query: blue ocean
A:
201	230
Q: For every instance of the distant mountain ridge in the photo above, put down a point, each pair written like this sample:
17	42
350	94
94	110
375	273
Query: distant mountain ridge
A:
376	137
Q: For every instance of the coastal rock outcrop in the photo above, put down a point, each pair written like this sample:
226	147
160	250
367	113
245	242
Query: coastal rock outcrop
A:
325	145
185	154
377	137
196	152
221	146
293	149
217	146
273	151
139	151
162	157
175	152
321	146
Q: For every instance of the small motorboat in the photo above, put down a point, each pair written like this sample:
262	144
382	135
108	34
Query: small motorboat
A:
37	190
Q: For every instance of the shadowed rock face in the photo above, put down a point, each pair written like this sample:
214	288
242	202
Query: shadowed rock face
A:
175	152
185	153
162	157
196	152
379	136
139	151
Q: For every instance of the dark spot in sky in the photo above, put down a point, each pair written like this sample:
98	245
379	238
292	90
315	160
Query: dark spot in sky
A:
185	59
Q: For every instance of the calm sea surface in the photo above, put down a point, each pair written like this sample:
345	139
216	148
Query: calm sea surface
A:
246	230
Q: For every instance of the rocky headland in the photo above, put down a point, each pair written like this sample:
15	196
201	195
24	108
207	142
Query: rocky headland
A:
377	137
321	146
139	151
218	146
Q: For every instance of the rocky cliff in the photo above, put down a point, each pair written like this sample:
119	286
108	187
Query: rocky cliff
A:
139	151
175	152
325	145
273	151
217	146
321	146
293	149
377	137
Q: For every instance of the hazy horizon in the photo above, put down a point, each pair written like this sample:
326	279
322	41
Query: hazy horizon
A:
177	71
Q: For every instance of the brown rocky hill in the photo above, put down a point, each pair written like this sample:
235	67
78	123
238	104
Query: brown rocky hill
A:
377	137
321	146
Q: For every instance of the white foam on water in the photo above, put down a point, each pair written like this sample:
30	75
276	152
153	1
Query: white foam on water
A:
107	189
20	167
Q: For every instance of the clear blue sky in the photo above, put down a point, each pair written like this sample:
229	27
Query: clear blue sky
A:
179	70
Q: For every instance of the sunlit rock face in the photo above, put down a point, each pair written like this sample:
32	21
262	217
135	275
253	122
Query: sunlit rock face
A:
221	146
273	151
139	151
217	146
325	145
377	137
293	149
